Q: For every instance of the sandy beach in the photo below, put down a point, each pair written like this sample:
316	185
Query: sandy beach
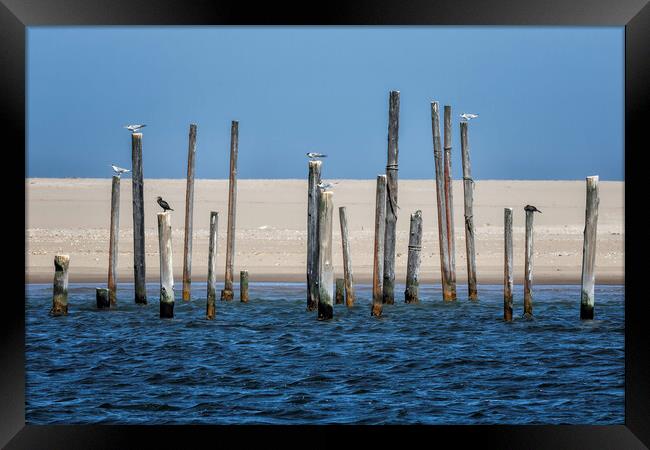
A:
71	216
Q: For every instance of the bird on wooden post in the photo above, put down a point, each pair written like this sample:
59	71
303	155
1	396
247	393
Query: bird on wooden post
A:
468	116
313	156
163	204
531	208
119	170
134	128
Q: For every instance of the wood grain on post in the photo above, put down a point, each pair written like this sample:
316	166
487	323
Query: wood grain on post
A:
60	291
340	288
326	268
313	193
391	198
102	298
347	261
589	250
440	201
138	219
528	266
468	197
378	254
113	240
449	205
212	266
412	292
243	286
227	293
507	265
189	208
166	266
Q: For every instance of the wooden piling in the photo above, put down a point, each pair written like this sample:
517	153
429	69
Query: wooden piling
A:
347	262
243	286
528	266
468	197
60	291
113	240
166	267
102	298
391	198
138	219
507	265
325	267
340	288
412	292
212	266
227	292
189	208
378	256
589	250
313	196
440	201
449	205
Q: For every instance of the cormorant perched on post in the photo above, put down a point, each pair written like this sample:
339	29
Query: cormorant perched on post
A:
531	208
163	204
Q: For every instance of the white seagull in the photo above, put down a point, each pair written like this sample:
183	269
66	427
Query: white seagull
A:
134	128
468	116
119	170
327	186
312	155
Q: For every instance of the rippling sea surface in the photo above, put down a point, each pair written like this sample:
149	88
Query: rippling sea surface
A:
271	362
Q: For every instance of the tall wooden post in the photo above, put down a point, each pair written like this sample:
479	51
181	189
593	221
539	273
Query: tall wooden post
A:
507	265
243	286
468	197
440	200
166	266
113	240
227	292
60	291
378	256
589	250
189	208
412	293
326	269
313	193
212	266
528	266
449	205
391	198
138	219
347	262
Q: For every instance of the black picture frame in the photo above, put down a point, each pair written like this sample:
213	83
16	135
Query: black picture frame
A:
16	15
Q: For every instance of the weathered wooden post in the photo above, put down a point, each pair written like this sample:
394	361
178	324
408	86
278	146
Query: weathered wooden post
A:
113	240
412	293
166	267
60	292
102	298
189	208
212	266
468	197
138	219
449	205
313	193
378	257
391	198
528	266
440	199
227	293
326	269
340	287
589	250
243	286
347	262
507	265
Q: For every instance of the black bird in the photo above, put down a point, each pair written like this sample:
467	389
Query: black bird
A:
163	204
531	208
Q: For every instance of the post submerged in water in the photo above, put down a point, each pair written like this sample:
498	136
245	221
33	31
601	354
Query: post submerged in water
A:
528	266
378	254
102	298
449	205
113	240
391	199
227	292
507	265
212	267
325	267
340	288
60	291
166	267
468	198
589	250
243	286
138	219
189	208
313	193
347	262
412	292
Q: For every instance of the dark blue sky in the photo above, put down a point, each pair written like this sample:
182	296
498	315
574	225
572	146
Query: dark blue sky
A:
550	99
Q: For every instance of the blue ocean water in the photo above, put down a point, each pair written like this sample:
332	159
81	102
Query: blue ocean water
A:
271	362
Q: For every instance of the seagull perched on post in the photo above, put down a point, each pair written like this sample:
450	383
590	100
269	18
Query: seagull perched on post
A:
468	116
313	155
327	186
119	170
134	128
163	204
531	208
